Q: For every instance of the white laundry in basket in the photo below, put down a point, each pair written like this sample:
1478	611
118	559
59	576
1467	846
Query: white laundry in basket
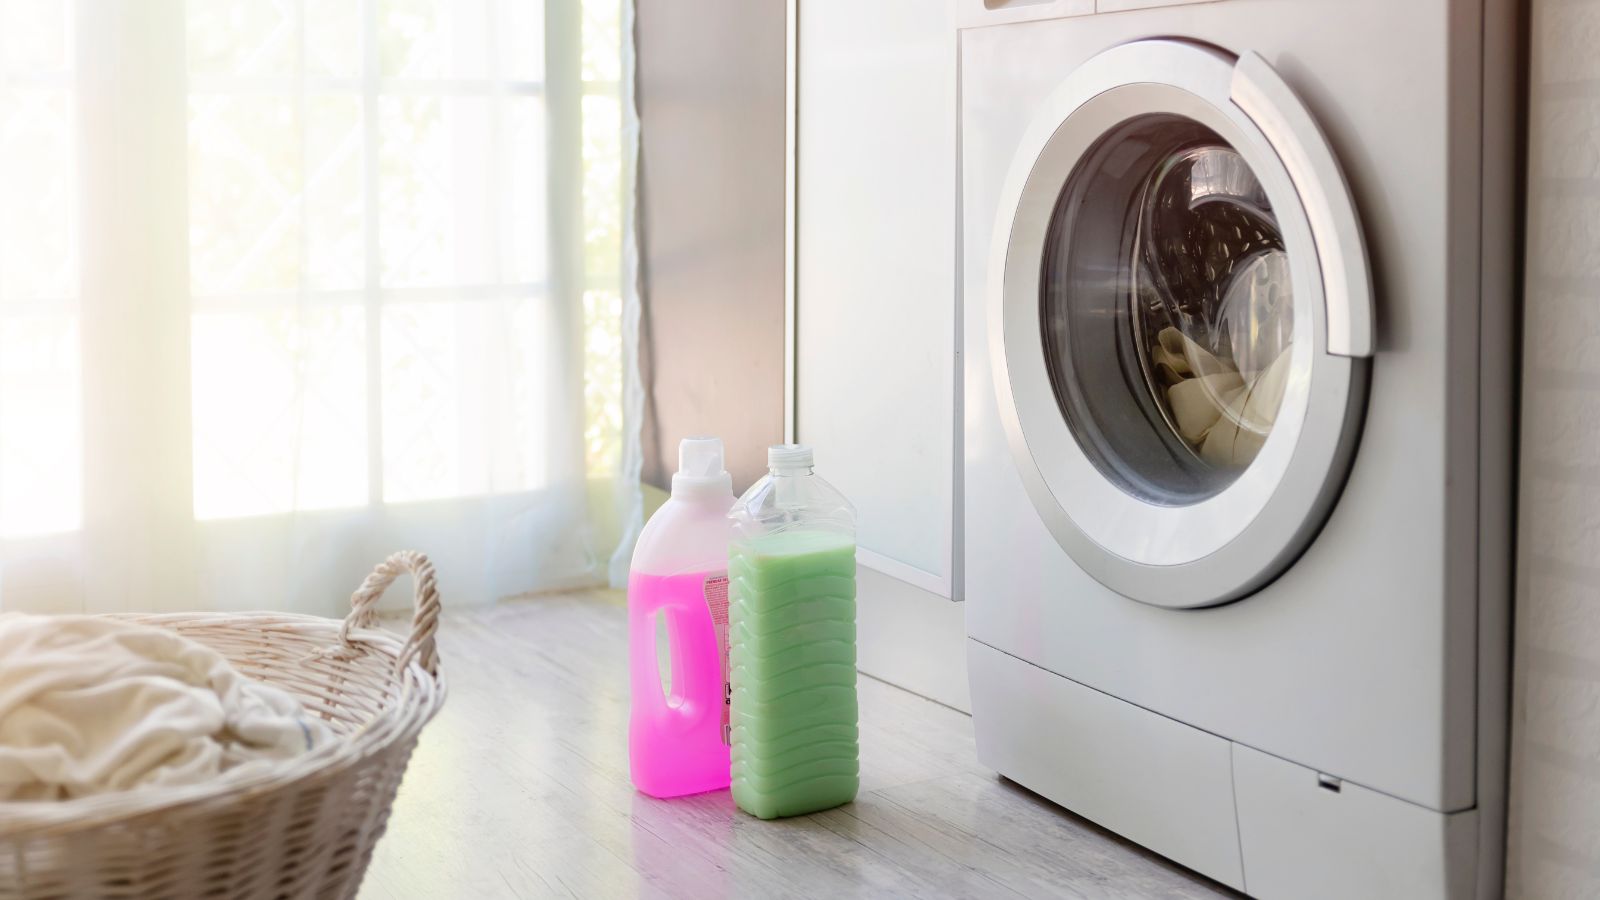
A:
90	705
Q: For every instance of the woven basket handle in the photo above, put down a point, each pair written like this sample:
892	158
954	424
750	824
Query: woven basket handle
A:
424	623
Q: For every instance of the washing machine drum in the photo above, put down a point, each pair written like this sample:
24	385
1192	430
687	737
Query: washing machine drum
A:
1181	320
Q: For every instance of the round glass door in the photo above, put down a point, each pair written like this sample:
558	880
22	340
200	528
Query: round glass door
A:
1166	309
1180	322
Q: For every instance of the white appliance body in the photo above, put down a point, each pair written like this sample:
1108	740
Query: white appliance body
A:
1294	684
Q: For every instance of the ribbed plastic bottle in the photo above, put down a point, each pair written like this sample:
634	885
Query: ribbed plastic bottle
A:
792	642
676	740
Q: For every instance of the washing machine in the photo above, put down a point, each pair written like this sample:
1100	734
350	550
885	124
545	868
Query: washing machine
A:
1237	318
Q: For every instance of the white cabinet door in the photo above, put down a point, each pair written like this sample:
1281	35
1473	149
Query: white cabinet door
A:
875	273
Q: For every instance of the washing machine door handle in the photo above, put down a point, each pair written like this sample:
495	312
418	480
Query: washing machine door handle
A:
1260	93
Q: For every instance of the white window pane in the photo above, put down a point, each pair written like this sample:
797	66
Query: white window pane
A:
602	40
333	38
461	39
35	36
466	398
523	217
602	186
40	432
409	42
41	479
265	213
335	243
244	181
279	411
602	237
230	37
519	30
602	380
461	190
37	181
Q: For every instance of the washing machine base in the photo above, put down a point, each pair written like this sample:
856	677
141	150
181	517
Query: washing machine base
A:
1248	819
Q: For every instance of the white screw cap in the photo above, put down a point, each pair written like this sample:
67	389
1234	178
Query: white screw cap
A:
700	456
789	456
700	468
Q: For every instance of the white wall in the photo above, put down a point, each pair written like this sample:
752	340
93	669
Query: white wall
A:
1554	837
875	317
875	269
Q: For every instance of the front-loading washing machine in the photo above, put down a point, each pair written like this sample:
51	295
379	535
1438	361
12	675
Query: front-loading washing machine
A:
1237	317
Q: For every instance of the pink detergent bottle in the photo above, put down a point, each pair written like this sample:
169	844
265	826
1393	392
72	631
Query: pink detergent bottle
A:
677	737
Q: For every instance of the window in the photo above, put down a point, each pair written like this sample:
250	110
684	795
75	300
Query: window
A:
269	259
40	435
368	202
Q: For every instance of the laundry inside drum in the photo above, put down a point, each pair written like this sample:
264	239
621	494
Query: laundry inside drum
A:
1212	306
1166	310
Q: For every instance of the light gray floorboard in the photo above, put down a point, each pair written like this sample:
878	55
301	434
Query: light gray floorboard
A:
520	789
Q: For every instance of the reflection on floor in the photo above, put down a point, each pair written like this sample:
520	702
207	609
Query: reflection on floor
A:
520	789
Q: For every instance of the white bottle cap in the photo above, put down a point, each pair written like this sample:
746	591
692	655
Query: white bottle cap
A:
789	456
700	467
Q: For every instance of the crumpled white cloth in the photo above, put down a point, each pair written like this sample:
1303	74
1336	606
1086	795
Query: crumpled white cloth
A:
91	705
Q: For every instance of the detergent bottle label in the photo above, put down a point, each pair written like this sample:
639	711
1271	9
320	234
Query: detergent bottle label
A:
716	592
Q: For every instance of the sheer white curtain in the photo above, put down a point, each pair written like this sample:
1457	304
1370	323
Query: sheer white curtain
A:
288	284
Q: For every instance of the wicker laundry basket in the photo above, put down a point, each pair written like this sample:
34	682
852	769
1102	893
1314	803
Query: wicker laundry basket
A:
305	828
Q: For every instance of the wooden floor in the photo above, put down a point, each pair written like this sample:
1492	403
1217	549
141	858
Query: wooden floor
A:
520	789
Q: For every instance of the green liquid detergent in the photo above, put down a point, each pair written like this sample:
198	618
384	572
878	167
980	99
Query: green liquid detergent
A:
792	661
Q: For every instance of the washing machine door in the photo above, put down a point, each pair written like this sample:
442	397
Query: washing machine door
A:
1180	318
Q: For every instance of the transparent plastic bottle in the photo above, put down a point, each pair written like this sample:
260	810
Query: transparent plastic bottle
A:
677	741
792	642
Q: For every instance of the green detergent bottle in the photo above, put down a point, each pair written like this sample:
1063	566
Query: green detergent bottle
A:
792	642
